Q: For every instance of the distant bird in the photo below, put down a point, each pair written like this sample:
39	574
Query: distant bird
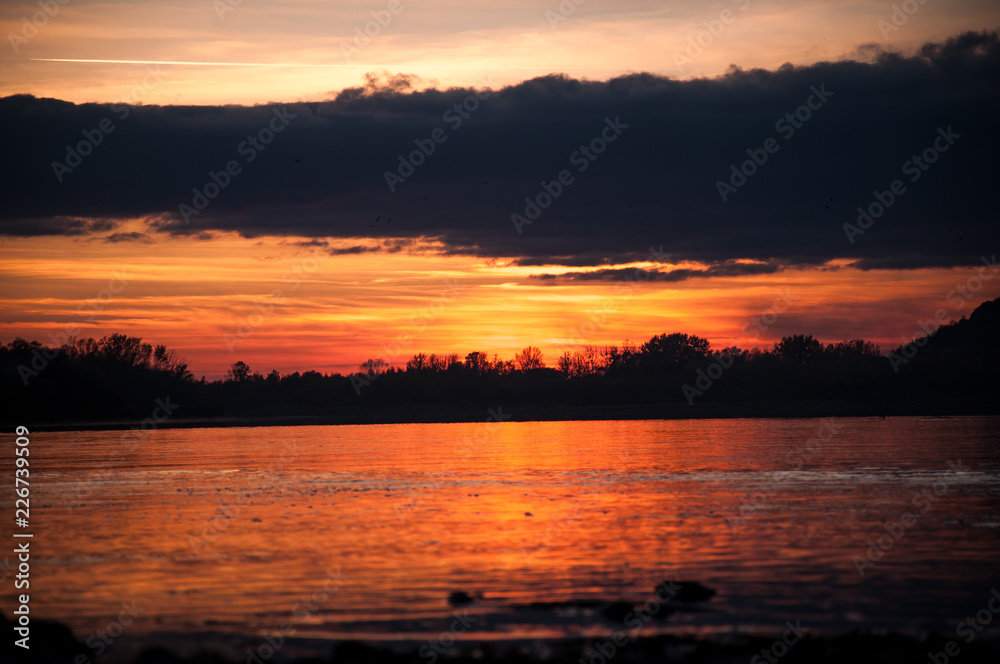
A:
296	161
389	220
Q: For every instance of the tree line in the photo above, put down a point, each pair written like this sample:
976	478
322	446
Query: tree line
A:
120	377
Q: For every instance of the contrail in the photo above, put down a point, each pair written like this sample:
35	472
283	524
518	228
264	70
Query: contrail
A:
196	63
192	62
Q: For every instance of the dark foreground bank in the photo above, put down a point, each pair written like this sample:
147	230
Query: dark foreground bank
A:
53	643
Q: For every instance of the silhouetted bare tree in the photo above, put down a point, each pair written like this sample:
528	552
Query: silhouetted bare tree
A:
529	358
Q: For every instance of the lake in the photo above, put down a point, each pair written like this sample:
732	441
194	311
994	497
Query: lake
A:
365	531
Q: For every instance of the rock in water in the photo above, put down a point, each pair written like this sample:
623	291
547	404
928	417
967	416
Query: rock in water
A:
460	598
685	591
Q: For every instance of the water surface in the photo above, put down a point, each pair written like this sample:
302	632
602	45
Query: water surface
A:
364	531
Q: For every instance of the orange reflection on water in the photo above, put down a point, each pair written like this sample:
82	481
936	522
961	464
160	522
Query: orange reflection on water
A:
229	529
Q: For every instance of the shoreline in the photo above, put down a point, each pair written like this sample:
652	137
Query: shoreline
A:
466	412
58	645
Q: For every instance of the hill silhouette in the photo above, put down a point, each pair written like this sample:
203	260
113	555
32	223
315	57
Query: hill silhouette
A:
121	379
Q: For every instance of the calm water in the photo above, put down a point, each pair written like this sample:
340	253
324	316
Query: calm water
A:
236	530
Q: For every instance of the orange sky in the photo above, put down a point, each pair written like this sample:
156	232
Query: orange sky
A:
191	293
444	43
203	297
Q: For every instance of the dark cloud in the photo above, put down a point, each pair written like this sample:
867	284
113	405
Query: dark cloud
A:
323	174
387	246
357	249
724	269
134	236
57	225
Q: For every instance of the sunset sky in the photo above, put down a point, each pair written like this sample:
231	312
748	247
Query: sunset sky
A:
220	176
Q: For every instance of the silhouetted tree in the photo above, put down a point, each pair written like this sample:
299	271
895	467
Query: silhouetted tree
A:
798	348
417	363
119	377
501	367
670	352
529	358
375	366
129	351
239	372
621	361
588	362
477	362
